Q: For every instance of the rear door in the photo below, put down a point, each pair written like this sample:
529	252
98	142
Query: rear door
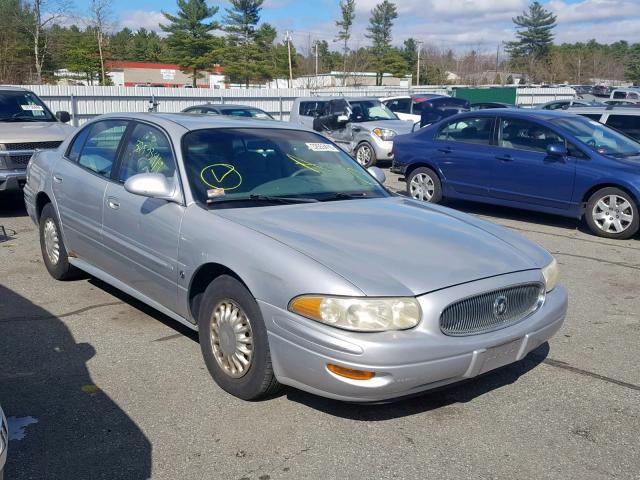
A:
142	233
523	172
80	180
464	154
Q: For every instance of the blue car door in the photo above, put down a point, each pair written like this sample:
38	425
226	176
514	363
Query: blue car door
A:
463	152
523	172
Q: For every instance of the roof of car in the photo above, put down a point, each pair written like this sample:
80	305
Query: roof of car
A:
224	106
199	122
522	112
617	109
13	89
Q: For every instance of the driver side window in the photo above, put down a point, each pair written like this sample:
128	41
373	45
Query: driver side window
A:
147	150
100	149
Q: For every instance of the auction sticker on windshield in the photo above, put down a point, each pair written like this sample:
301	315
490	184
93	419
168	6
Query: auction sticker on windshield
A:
32	108
321	147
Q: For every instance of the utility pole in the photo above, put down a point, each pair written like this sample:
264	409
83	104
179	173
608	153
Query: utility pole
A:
287	37
498	60
579	68
316	45
419	44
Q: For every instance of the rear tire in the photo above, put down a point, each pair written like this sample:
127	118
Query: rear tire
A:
612	213
54	252
234	342
424	184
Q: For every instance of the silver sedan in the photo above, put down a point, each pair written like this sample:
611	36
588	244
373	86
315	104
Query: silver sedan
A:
293	262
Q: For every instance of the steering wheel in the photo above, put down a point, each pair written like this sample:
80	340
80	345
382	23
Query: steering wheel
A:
592	143
303	171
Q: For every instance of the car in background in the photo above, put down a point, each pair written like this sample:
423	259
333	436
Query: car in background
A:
4	442
361	126
583	89
230	110
601	91
26	125
548	161
564	104
620	103
409	107
623	119
630	94
294	264
488	105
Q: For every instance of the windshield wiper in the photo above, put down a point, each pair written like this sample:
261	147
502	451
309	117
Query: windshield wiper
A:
262	198
345	196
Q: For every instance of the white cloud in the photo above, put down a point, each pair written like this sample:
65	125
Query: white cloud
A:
135	19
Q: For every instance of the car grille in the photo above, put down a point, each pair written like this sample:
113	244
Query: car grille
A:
18	161
492	310
31	145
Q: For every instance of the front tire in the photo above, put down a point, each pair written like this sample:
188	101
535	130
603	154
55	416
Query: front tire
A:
424	184
365	155
233	340
54	252
612	213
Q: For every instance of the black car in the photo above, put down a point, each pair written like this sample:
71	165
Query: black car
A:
437	108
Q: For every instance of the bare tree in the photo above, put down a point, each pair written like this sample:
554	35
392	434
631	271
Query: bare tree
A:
100	15
42	15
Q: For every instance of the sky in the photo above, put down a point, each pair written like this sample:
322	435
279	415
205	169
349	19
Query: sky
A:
458	24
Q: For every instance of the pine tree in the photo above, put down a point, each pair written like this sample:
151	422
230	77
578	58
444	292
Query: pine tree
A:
348	14
190	36
534	33
243	56
380	25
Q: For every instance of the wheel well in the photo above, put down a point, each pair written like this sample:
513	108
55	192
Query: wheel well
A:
595	188
413	166
206	274
41	200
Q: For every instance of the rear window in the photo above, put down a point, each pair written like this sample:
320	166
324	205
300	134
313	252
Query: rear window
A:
628	124
311	108
468	130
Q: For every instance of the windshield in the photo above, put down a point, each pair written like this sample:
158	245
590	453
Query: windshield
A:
599	138
246	112
229	164
22	106
369	111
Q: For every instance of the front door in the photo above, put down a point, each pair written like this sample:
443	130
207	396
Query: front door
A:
464	154
142	233
79	181
524	172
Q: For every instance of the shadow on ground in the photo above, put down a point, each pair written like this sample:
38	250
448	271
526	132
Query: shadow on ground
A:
12	205
433	400
80	432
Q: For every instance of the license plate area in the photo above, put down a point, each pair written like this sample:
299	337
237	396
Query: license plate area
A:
501	355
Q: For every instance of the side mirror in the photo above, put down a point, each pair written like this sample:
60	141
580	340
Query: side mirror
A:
377	173
342	119
152	185
63	116
557	150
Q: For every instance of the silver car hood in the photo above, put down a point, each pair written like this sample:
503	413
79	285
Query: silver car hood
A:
19	132
399	126
394	246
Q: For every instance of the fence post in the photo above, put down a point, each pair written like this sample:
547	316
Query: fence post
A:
221	99
74	110
280	100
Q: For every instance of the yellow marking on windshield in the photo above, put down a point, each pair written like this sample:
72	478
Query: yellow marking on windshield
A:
305	164
215	175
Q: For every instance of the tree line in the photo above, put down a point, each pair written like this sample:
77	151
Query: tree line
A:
40	37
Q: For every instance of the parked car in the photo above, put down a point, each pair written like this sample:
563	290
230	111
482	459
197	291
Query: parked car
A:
620	103
583	89
231	110
294	264
623	119
564	104
26	124
362	127
487	105
630	94
548	161
409	107
4	442
601	91
436	109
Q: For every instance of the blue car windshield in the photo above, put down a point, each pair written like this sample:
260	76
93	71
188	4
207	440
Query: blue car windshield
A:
237	164
598	137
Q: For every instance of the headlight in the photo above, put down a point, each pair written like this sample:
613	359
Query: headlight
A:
550	273
384	133
359	314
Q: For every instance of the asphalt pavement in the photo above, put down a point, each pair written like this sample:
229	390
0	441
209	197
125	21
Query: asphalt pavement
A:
99	386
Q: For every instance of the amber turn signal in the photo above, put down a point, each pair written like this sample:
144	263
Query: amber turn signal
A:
350	373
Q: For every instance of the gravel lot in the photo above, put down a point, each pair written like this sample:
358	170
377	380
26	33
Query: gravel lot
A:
120	391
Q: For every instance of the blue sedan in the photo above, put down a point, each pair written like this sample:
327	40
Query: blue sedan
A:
547	161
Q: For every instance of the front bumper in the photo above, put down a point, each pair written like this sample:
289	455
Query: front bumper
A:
383	149
405	362
12	180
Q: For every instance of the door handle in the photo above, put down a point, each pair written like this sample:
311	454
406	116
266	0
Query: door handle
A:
113	203
57	178
445	150
505	158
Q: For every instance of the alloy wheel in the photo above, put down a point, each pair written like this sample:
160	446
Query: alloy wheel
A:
51	241
231	338
613	214
422	187
363	155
